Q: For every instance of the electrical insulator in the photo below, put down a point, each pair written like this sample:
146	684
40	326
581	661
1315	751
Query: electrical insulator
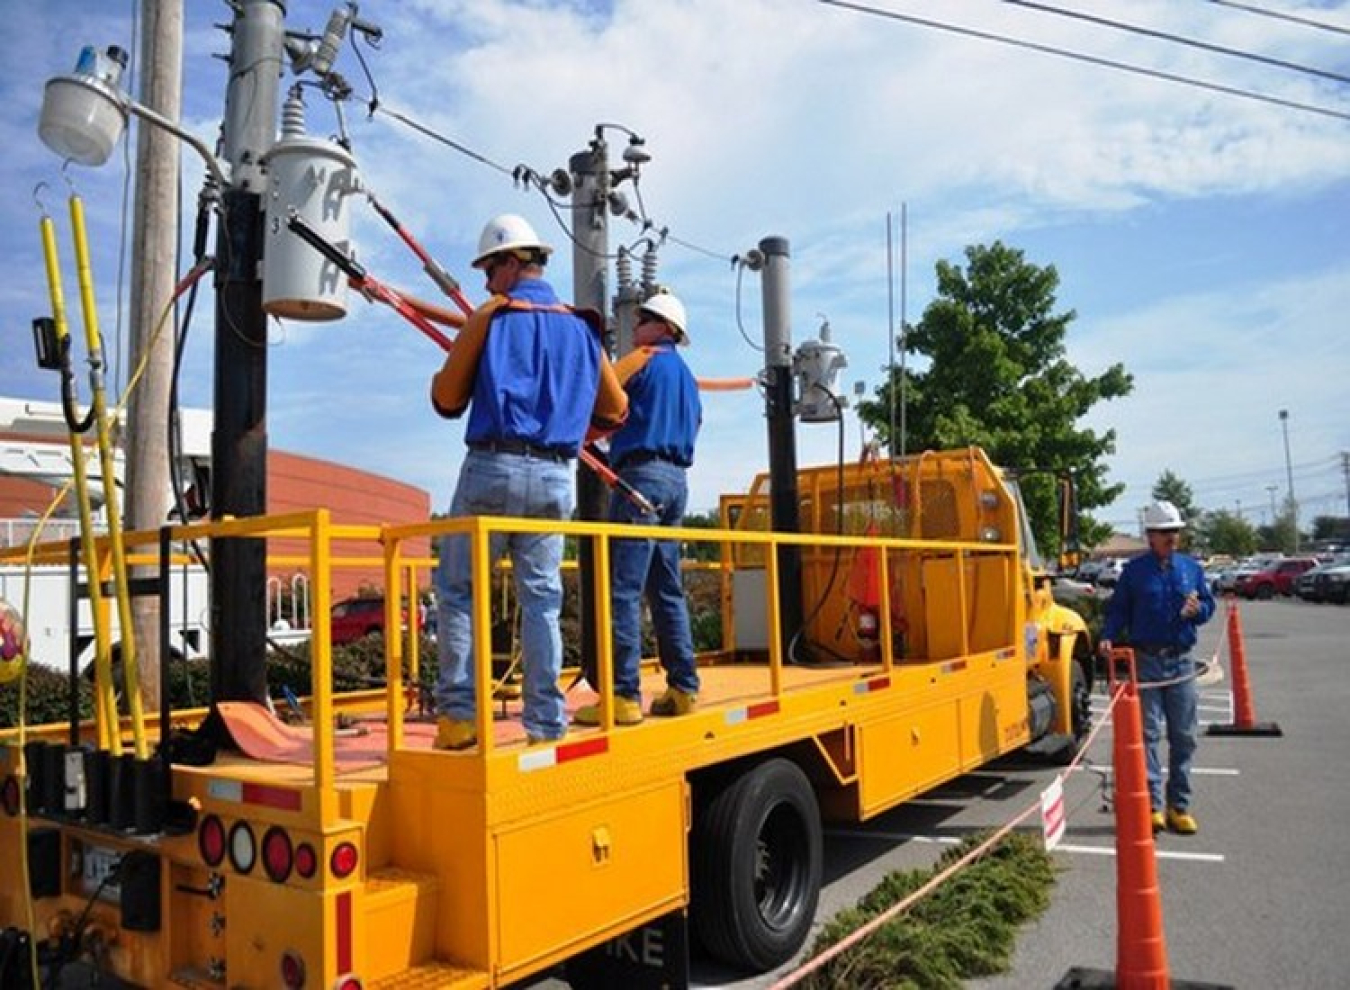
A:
649	260
623	268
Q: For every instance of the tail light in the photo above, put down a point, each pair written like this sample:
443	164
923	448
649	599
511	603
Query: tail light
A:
211	840
344	859
277	854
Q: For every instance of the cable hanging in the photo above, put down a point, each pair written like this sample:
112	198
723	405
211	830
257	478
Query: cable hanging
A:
1089	59
1179	39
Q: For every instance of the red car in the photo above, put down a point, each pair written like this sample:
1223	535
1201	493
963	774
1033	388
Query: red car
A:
1276	579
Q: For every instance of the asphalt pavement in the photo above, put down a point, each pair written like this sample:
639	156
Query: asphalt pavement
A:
1260	898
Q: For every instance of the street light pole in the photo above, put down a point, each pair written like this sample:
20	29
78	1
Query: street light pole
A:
1289	473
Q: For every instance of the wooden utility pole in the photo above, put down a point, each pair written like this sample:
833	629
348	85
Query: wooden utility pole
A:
154	263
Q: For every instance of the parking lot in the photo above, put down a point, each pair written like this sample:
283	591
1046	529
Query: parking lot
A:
1259	898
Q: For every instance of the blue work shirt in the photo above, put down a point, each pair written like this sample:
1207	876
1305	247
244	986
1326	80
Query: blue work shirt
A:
664	409
537	376
1148	599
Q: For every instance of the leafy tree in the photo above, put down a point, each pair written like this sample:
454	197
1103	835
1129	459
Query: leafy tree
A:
1227	532
1172	489
1331	528
1284	533
998	377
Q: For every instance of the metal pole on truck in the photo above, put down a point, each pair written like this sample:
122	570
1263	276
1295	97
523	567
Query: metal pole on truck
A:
782	437
239	437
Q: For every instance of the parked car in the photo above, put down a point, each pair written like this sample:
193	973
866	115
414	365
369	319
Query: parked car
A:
1311	585
1109	572
1229	578
1334	584
1276	579
363	615
356	618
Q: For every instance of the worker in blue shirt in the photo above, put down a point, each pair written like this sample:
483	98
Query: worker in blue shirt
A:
652	452
535	379
1159	600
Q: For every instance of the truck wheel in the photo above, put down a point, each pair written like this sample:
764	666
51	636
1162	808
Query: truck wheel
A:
1265	592
1080	701
756	858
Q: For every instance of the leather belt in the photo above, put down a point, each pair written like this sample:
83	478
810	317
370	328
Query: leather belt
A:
521	447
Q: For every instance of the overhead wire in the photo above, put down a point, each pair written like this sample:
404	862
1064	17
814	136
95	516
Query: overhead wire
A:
1281	16
1096	60
1156	34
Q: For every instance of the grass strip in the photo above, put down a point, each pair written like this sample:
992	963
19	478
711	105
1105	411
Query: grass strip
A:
965	929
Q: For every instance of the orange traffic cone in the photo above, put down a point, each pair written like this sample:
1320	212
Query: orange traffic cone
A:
1141	948
1244	712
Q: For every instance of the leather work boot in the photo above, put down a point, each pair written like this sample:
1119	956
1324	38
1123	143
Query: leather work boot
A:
453	733
674	702
1182	822
626	712
535	741
1159	822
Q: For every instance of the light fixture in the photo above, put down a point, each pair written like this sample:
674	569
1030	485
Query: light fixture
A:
84	114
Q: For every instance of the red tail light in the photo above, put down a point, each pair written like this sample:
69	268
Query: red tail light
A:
211	840
277	855
292	968
344	859
306	861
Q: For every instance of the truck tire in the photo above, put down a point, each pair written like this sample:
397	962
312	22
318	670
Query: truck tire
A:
1080	701
1265	592
756	863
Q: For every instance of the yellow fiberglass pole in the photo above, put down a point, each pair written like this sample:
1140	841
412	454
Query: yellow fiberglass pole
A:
94	341
105	702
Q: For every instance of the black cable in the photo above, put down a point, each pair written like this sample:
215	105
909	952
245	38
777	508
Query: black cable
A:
1089	59
1178	39
1282	16
72	952
838	548
740	323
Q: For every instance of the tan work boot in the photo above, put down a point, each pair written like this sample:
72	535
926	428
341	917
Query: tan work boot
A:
626	712
1159	822
674	702
1182	822
453	733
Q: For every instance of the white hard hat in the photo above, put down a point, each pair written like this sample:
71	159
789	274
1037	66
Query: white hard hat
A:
668	307
505	233
1162	515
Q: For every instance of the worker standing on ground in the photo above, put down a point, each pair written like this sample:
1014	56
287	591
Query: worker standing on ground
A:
1159	600
535	378
652	453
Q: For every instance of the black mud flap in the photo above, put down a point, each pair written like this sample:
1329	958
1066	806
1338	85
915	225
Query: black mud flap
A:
653	957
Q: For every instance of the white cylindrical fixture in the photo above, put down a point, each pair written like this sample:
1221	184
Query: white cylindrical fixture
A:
314	179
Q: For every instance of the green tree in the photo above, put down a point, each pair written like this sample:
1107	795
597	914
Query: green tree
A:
1222	531
998	377
1171	488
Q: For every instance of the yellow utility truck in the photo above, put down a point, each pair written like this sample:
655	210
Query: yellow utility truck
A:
345	852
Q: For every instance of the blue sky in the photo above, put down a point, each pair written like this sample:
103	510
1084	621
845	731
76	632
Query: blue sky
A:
1201	238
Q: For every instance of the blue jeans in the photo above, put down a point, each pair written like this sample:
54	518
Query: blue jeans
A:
1178	705
506	485
650	567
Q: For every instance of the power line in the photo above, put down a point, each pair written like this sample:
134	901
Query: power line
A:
1090	59
1179	39
1282	16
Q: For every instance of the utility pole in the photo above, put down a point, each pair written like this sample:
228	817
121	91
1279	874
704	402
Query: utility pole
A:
1289	472
590	261
1345	469
153	253
783	508
239	438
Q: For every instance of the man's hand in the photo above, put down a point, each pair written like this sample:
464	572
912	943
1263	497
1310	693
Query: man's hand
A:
1190	608
1104	649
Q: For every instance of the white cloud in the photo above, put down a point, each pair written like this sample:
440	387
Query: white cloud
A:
811	122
